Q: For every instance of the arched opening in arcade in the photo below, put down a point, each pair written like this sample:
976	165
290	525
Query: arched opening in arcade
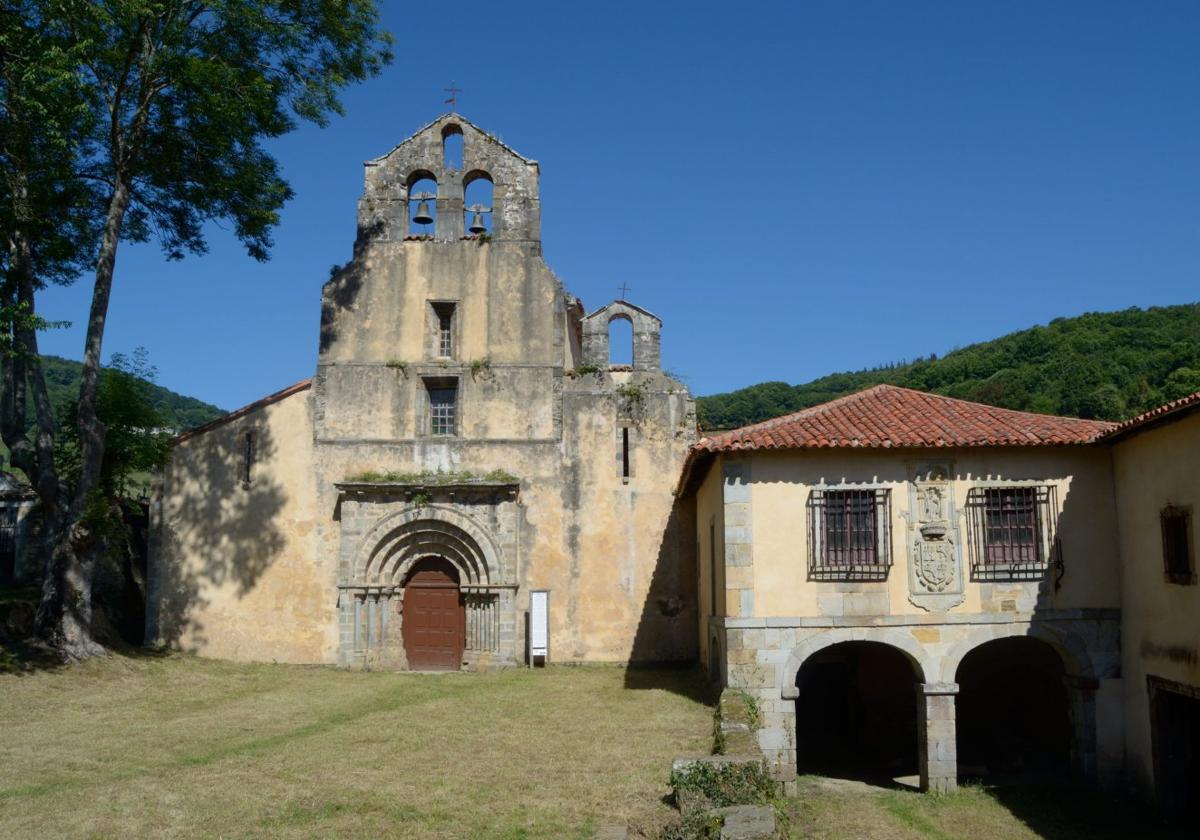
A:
856	713
1012	711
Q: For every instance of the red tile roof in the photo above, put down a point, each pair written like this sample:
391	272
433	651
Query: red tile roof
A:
887	416
1163	414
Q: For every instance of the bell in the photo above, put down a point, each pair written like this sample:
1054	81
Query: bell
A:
477	225
422	216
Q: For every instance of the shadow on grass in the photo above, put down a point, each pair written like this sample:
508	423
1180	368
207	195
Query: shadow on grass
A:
685	679
1069	812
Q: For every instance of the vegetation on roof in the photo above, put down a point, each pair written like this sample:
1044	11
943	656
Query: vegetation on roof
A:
438	477
1102	365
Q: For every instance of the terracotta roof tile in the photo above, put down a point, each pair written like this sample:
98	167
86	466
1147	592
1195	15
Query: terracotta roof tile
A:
1160	414
887	416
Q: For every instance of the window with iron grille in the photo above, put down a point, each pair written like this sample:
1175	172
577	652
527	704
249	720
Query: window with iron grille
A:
849	534
1177	545
444	337
443	406
1012	531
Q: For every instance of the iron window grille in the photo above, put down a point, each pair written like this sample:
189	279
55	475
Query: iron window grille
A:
1013	532
443	406
1177	544
849	535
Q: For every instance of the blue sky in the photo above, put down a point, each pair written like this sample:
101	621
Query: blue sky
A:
795	188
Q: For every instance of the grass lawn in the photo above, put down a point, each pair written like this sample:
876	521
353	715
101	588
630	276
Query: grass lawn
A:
185	747
831	809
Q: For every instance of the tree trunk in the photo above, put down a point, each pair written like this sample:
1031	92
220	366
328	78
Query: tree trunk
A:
64	618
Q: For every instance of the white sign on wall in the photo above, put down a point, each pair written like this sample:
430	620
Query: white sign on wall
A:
539	624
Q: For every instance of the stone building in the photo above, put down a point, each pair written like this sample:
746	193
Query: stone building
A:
463	442
1005	566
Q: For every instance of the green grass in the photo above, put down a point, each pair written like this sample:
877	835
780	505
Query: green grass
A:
183	747
836	810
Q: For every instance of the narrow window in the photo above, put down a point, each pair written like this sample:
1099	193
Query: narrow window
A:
1177	545
443	314
247	457
849	534
625	453
443	406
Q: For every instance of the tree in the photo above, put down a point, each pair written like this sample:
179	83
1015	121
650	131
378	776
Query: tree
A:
183	94
48	220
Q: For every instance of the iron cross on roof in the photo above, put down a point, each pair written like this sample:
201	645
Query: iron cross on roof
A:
454	92
624	289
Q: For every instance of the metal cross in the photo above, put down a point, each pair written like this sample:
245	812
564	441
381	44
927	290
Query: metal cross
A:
624	288
454	92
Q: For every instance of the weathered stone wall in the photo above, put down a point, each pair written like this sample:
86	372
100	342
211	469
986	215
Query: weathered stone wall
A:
233	572
596	456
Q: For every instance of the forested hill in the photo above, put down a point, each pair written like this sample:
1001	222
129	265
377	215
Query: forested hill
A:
178	412
1104	365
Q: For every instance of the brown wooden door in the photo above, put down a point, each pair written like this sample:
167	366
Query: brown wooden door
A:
434	620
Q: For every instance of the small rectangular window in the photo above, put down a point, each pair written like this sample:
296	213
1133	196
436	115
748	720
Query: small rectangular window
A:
443	406
625	453
1177	545
849	534
443	314
1012	531
247	458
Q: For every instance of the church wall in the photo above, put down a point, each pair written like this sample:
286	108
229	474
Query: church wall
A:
1160	619
710	561
233	572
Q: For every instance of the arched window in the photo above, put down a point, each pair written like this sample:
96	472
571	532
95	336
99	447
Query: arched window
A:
477	202
452	147
620	340
422	203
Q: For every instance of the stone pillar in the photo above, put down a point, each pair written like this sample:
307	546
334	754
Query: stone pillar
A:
936	744
1081	708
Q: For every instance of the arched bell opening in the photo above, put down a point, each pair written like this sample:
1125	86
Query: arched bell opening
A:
433	623
856	713
478	198
452	147
1012	711
620	340
422	203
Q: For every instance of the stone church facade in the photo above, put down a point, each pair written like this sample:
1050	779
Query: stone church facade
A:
463	442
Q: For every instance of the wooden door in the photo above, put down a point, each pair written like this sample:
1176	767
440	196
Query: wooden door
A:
434	620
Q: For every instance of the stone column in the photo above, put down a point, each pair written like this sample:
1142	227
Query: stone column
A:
1081	707
936	744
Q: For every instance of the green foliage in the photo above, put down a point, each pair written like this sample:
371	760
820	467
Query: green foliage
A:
177	412
1103	365
481	367
632	395
741	783
421	499
433	478
135	441
584	370
397	364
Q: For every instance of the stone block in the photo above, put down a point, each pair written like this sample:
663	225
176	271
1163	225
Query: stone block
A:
831	603
746	822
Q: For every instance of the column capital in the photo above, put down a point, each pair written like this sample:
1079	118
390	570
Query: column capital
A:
937	688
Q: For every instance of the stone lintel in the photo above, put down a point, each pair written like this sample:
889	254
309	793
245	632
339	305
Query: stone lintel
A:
937	688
